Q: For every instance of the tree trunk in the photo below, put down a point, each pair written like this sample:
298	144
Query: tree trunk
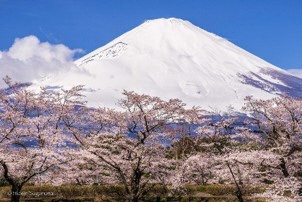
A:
15	187
238	192
134	199
134	193
15	193
135	185
283	167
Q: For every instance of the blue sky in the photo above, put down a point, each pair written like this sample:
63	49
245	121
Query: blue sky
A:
270	29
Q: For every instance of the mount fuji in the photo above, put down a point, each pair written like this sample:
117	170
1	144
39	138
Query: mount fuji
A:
172	58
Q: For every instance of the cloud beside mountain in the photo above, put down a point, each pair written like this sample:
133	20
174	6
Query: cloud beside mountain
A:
296	72
29	59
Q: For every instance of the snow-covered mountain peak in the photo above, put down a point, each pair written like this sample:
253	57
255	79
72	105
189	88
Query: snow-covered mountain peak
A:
172	32
172	24
164	21
174	37
172	58
167	20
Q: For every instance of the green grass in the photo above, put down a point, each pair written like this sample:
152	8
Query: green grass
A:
214	192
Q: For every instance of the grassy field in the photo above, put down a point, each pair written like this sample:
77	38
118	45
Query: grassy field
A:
99	193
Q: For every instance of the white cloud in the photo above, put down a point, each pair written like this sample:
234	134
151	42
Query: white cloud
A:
29	59
296	72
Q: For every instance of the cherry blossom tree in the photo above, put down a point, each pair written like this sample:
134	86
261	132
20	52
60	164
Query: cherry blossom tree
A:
264	149
279	122
32	141
129	146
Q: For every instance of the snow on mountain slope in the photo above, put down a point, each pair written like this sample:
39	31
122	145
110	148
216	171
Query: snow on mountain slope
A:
172	58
